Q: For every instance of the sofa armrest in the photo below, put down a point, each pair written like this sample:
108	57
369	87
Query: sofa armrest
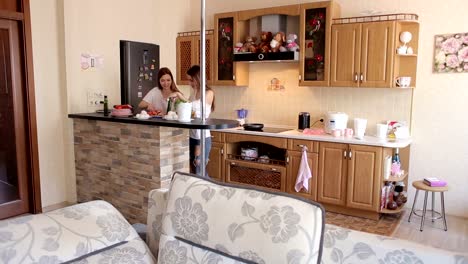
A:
157	200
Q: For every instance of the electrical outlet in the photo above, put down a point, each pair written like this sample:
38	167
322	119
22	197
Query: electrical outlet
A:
94	98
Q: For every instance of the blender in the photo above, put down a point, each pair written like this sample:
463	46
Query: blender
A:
241	115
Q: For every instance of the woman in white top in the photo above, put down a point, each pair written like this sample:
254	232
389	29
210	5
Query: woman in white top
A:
193	75
156	98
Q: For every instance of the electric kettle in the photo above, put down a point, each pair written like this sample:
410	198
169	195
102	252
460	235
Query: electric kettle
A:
304	121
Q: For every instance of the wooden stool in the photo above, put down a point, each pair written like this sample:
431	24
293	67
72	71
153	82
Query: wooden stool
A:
420	185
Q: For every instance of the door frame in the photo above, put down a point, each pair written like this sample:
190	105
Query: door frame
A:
23	16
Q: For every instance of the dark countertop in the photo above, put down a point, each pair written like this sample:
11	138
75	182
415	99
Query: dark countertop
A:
209	123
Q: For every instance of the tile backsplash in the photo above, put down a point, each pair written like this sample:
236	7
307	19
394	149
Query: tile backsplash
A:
281	108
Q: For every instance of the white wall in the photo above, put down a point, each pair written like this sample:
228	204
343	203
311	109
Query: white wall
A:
96	26
51	94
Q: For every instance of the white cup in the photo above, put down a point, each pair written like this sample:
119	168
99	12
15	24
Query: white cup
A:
403	81
360	125
184	112
381	130
402	50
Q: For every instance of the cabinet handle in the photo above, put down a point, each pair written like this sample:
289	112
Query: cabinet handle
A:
345	154
300	77
350	154
233	77
287	159
362	77
222	151
355	77
233	163
273	169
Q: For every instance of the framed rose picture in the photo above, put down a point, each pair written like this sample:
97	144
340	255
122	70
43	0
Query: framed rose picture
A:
451	53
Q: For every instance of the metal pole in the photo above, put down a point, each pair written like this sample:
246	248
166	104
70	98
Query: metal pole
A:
202	87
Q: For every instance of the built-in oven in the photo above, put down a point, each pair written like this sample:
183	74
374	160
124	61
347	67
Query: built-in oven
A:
265	169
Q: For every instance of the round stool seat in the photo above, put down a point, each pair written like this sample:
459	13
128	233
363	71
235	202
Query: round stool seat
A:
420	185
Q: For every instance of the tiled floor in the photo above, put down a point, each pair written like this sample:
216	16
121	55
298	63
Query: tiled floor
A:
433	234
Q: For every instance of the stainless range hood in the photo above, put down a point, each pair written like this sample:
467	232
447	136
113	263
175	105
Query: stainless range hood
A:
270	23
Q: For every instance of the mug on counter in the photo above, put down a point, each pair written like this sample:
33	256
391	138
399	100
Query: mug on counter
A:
381	130
403	81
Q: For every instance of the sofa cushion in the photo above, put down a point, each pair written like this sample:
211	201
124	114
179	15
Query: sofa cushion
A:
134	251
343	245
240	221
64	234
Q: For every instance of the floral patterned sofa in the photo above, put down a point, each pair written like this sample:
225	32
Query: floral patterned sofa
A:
93	232
201	221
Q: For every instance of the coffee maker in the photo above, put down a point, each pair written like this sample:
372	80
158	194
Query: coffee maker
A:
303	121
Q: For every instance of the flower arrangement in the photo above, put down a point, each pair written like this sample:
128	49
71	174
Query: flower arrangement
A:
451	53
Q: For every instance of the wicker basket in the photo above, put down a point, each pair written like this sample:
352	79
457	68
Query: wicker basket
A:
257	177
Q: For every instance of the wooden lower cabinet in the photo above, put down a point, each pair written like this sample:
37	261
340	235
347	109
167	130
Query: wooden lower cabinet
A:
350	175
293	169
215	166
364	177
332	177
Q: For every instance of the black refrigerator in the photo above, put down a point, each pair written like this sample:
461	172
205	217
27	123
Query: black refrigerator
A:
139	66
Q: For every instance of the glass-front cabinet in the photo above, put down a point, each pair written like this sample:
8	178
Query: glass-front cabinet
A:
315	23
225	35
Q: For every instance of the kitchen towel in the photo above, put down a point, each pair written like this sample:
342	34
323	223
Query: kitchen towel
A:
304	174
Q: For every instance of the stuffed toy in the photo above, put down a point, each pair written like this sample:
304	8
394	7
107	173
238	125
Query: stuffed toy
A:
238	47
291	44
249	45
276	43
265	40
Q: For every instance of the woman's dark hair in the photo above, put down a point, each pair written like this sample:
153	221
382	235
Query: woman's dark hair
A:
194	72
161	73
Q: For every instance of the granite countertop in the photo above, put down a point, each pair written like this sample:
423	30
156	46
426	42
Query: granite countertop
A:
367	140
210	123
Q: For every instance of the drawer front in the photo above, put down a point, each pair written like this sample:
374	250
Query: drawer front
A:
274	141
217	136
295	144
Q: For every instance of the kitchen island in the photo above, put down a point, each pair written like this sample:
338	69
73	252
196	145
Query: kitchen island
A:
120	159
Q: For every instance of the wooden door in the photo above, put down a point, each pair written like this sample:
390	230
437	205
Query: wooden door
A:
293	169
332	173
377	54
216	164
364	170
186	56
14	158
345	58
208	56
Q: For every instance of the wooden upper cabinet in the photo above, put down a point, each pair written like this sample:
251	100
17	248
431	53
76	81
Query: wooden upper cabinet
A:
332	176
227	32
377	49
363	54
346	43
364	177
188	54
315	41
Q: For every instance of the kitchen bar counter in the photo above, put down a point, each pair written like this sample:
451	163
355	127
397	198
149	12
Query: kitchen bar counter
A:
120	159
368	140
209	123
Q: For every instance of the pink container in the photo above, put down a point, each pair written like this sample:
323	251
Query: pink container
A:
348	132
336	132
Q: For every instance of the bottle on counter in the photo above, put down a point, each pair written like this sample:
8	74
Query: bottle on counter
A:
106	106
396	156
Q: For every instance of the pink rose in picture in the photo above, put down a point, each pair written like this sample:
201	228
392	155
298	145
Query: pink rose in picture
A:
463	54
451	53
452	61
451	45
